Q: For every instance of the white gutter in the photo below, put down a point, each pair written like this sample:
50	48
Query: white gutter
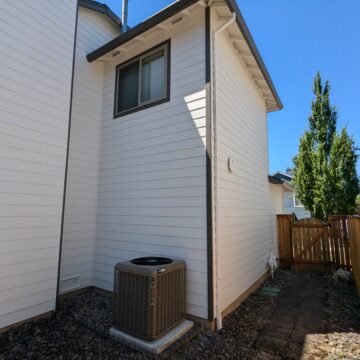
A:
216	162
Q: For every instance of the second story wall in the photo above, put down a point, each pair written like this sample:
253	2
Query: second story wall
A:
77	260
36	61
247	213
152	193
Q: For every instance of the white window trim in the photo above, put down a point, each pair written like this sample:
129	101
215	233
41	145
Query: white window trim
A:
297	206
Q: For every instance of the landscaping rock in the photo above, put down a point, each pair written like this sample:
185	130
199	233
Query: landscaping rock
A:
342	275
313	317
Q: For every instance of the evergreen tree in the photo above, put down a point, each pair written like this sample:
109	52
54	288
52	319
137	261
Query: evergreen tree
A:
357	210
345	183
325	176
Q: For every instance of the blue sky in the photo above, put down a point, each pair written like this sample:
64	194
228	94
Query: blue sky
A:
295	39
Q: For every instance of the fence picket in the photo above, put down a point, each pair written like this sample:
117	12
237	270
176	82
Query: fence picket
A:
314	245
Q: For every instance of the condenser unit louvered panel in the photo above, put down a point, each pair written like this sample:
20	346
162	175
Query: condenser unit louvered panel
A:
149	299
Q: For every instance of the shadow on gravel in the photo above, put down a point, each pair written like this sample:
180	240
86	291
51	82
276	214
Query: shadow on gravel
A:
314	318
341	336
311	314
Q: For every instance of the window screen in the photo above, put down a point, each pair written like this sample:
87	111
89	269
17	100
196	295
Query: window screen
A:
128	86
153	77
143	81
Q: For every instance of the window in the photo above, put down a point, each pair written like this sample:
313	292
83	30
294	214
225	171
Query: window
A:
297	202
143	81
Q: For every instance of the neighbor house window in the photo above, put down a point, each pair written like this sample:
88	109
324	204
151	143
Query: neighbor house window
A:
143	81
297	202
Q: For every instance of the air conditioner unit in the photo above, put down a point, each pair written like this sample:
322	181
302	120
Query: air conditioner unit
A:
149	296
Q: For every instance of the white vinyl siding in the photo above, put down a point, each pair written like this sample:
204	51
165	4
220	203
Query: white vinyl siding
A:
77	261
247	214
36	58
152	182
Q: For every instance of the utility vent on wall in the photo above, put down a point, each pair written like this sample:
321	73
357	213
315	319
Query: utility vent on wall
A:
70	283
177	20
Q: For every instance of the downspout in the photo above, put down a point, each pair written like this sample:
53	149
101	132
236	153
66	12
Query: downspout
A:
216	163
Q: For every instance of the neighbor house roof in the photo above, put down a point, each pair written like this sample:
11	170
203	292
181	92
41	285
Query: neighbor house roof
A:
276	181
172	10
282	176
100	8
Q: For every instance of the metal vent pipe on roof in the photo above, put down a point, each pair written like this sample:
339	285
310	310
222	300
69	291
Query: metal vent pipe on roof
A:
124	15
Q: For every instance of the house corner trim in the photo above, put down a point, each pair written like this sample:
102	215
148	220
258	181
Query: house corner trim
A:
67	158
209	190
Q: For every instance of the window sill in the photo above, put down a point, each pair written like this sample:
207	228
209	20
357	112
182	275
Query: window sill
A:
142	107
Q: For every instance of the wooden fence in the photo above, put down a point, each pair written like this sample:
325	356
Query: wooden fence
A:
315	245
354	235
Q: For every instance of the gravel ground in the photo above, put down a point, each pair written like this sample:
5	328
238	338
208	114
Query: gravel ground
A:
341	339
80	331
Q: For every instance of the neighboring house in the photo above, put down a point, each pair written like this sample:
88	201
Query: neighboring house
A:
292	205
159	136
278	190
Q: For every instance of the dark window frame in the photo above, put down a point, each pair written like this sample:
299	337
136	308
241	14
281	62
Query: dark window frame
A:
147	105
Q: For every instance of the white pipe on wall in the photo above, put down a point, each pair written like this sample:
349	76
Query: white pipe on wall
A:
216	161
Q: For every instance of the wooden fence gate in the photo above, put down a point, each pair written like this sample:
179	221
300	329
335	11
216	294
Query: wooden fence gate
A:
313	245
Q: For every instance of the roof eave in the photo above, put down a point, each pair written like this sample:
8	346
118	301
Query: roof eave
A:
141	28
284	184
274	180
283	174
254	50
175	8
102	9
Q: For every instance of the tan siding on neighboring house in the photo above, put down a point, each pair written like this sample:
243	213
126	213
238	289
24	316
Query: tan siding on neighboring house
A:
36	59
247	215
277	198
152	182
77	259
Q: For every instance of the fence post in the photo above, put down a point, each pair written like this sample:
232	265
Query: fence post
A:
354	237
285	240
346	243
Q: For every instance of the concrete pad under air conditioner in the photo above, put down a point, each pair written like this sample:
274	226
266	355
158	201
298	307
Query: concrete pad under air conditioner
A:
156	346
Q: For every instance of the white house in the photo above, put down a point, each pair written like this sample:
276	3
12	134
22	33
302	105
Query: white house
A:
117	145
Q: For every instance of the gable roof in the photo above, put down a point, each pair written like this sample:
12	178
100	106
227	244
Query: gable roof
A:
275	180
281	176
172	10
100	8
284	184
